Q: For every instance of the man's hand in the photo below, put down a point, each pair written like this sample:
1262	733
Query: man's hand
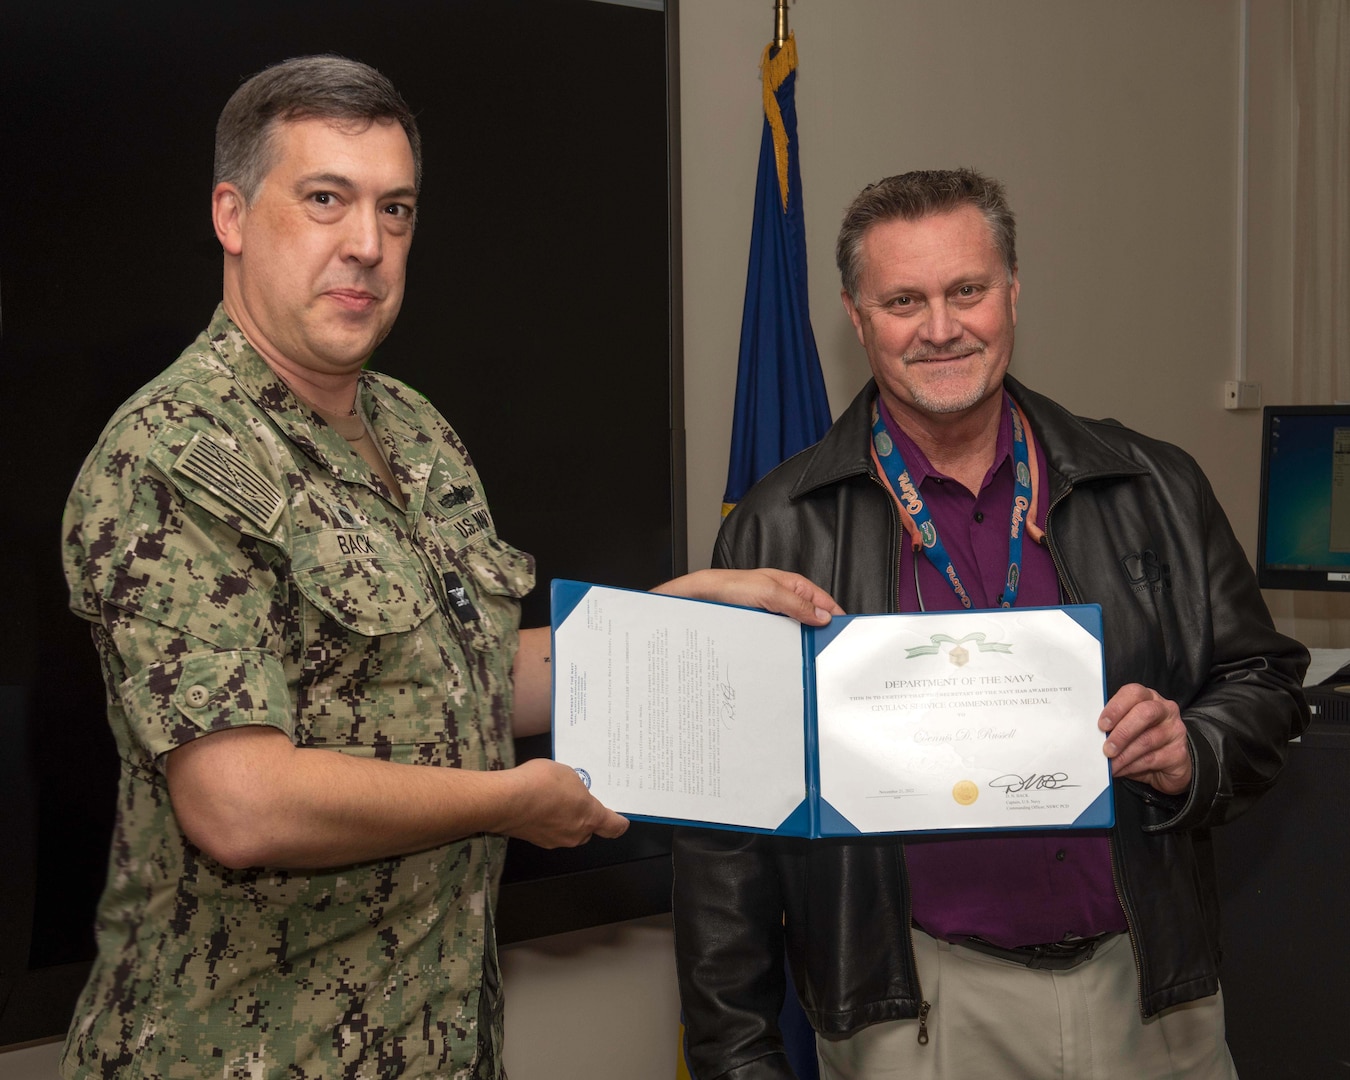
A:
1146	739
778	591
553	808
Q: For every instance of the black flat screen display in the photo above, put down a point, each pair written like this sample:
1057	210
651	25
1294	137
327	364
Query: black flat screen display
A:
1304	511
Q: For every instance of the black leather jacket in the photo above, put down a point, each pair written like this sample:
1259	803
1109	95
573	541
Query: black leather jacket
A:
1132	525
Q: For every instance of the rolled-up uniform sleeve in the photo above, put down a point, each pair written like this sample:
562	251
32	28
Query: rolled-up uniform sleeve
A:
169	703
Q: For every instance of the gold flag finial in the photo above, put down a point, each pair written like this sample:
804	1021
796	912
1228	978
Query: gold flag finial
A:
780	25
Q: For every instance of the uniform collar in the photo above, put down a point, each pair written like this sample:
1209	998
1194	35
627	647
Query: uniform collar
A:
410	452
916	461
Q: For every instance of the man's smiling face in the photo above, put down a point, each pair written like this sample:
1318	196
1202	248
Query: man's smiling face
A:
935	312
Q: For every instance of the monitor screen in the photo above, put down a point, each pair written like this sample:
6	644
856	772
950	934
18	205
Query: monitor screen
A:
1303	539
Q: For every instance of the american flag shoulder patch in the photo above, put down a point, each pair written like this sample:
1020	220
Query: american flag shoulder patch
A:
229	476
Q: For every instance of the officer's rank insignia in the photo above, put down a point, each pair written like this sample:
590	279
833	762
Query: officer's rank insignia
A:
229	476
459	599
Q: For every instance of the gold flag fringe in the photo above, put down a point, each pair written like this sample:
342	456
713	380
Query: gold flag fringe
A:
773	71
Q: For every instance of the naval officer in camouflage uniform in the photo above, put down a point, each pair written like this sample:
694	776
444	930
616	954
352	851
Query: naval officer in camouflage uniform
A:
308	628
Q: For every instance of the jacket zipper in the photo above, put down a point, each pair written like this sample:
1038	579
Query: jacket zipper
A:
924	1006
896	529
1072	598
1062	575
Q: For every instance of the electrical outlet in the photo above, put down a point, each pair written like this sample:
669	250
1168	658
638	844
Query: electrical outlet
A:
1241	395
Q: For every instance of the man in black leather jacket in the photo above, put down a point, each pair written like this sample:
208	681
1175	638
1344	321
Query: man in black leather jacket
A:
1203	698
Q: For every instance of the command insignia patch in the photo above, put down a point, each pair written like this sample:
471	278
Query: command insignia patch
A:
229	476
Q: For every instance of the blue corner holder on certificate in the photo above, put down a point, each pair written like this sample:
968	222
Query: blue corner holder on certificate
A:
700	713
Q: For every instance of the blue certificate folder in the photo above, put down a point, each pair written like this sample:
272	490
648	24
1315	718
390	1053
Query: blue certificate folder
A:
692	712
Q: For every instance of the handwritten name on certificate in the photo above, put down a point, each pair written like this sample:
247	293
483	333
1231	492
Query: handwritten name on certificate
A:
679	709
969	720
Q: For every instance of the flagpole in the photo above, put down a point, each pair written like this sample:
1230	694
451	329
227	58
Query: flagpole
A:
780	23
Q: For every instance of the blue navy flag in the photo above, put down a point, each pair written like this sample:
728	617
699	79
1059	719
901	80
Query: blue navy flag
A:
781	406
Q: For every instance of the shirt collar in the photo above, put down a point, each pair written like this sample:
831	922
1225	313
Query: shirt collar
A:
916	461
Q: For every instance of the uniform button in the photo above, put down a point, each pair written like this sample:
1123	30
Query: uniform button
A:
979	516
1060	854
197	696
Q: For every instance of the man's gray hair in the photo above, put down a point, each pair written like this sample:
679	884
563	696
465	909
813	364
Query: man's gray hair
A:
305	88
914	195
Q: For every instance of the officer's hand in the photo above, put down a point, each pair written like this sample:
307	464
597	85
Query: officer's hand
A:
551	807
1146	740
779	591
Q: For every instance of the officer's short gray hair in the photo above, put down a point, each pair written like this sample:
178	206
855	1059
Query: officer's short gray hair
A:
307	87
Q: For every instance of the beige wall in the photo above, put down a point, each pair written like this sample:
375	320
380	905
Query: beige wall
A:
1116	128
1317	619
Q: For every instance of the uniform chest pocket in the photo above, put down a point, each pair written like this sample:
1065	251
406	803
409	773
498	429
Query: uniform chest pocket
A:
361	580
493	576
377	677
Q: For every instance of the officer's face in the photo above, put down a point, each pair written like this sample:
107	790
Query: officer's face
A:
935	312
315	267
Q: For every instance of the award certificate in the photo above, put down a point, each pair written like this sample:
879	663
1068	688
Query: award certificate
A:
687	711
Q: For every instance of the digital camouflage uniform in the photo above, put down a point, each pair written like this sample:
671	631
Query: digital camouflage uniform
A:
240	565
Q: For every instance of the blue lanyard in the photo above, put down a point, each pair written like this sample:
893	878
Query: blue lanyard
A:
920	524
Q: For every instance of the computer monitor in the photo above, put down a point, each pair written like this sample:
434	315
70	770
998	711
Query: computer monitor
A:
1303	529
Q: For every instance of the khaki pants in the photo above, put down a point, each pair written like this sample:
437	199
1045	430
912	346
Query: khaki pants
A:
992	1019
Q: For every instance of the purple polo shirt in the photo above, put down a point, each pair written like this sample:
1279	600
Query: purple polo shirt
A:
1008	888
